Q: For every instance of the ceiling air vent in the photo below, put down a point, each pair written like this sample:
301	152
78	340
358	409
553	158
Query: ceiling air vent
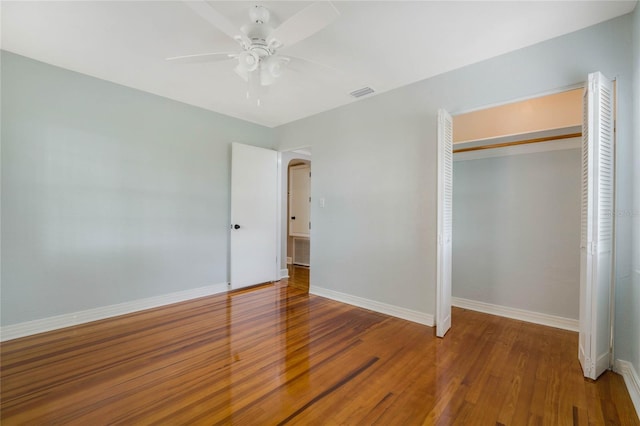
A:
362	92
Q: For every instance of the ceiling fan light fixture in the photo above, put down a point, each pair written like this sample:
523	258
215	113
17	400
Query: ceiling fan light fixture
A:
242	73
271	69
248	61
274	66
266	78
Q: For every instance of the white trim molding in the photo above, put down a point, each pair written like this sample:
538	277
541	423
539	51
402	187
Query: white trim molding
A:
372	305
631	379
284	273
518	314
28	328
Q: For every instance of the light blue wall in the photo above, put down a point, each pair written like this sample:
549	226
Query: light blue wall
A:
627	327
374	163
109	194
517	231
631	320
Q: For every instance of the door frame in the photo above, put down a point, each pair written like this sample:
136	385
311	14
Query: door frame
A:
283	179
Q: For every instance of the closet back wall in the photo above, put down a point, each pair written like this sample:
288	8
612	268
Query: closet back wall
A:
516	231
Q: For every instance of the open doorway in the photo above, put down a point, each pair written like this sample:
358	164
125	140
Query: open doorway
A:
296	217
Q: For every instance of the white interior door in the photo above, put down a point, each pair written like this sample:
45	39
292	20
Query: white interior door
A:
299	201
445	219
596	241
253	215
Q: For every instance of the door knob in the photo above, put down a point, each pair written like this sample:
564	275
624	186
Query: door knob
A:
236	226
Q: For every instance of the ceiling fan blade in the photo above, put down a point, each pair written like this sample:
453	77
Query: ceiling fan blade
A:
303	65
304	23
218	20
202	57
323	73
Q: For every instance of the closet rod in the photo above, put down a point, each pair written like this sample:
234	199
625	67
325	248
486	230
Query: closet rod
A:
522	142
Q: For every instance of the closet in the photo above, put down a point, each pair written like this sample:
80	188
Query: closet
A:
516	214
533	222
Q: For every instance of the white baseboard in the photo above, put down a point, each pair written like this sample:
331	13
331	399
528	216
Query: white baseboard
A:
631	379
28	328
289	260
383	308
519	314
284	273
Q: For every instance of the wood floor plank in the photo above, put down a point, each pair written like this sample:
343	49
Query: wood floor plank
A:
274	354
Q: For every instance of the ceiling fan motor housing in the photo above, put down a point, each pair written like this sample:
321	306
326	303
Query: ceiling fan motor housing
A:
259	14
258	34
260	48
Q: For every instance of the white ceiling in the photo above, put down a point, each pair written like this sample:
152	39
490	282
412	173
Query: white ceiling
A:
384	45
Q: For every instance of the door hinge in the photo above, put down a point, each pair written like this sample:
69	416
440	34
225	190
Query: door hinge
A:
309	225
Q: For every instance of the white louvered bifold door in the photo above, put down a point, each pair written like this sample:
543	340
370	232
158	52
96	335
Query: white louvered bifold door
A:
596	236
445	225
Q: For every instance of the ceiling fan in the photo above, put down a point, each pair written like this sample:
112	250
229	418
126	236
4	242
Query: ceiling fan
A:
259	62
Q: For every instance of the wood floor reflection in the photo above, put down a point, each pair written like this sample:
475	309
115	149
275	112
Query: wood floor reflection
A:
299	277
276	355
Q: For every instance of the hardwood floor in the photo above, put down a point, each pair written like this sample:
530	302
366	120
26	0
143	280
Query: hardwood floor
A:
276	355
299	277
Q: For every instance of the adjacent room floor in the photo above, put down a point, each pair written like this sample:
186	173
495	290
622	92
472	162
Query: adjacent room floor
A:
274	354
299	277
